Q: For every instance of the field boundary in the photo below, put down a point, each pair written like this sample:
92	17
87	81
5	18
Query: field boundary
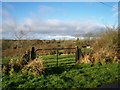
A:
77	52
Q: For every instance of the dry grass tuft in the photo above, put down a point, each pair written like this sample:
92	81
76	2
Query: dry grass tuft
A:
85	59
34	67
101	56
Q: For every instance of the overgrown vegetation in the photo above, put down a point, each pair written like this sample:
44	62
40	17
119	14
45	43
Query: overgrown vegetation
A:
98	64
78	76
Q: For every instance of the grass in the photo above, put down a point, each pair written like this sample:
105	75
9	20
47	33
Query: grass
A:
78	76
5	60
48	57
51	60
65	75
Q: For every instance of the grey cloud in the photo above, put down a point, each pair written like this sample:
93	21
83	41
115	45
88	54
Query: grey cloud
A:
39	27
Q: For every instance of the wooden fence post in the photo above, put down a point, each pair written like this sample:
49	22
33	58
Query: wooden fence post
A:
28	54
77	54
33	53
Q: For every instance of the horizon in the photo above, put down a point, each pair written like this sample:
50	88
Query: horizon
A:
59	38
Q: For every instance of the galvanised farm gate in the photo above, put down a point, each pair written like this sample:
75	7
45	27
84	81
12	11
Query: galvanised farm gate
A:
76	55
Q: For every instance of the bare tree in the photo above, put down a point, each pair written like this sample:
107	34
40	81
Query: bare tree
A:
22	34
19	35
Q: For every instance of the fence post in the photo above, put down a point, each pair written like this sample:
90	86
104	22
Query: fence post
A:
77	54
33	53
28	54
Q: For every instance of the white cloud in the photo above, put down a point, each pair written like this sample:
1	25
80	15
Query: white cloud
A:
50	37
47	28
52	27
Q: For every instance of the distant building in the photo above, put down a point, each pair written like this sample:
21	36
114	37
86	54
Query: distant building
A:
82	38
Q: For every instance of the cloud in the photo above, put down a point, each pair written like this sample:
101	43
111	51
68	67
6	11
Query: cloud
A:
61	26
40	28
8	22
50	37
52	28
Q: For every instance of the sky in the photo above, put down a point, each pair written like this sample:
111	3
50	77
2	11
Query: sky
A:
56	20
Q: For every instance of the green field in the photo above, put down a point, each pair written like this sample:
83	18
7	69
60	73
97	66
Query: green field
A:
6	60
78	76
65	75
51	60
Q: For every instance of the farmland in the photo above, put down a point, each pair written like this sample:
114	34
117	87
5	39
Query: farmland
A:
50	61
78	76
53	68
64	76
59	45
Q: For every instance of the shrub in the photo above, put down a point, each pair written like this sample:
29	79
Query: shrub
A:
18	65
5	69
11	72
107	40
107	45
34	67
